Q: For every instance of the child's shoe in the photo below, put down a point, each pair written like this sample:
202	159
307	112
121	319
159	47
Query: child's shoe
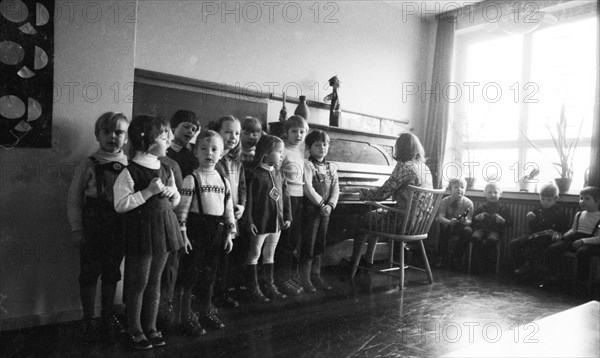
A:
112	326
211	320
88	331
138	341
191	326
319	283
155	338
288	288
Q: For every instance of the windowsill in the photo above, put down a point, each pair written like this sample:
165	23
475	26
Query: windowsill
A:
572	197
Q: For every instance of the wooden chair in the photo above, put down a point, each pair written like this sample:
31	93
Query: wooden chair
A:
403	226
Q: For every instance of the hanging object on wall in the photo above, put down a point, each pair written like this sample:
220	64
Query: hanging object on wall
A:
335	110
283	111
26	64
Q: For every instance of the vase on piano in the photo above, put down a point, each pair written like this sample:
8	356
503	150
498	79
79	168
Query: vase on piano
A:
302	109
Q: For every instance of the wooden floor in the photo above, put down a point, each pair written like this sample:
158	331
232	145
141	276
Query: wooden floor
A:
364	317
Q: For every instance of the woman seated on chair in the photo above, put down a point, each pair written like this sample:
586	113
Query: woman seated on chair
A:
410	170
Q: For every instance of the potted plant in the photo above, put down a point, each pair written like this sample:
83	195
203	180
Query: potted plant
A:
565	150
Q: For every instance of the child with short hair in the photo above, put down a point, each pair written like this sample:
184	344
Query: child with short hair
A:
231	167
145	192
182	160
490	219
185	125
454	215
292	168
95	225
583	238
251	132
321	193
267	213
410	169
206	218
546	223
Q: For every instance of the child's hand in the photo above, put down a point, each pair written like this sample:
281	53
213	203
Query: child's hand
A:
325	210
481	216
499	219
286	224
556	236
168	192
530	216
187	247
253	230
238	211
156	186
453	221
77	238
578	243
228	243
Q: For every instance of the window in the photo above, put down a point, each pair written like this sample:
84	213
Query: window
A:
505	85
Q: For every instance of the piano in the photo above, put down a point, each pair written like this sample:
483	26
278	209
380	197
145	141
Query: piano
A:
363	160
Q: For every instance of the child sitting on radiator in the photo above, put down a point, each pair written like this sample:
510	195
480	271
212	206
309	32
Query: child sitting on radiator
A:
454	215
489	222
583	239
546	224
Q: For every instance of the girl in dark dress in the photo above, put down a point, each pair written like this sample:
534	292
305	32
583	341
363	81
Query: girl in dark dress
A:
146	193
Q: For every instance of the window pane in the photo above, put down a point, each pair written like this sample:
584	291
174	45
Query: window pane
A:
564	73
492	164
548	172
491	70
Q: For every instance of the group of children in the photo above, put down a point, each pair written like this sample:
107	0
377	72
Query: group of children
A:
536	253
191	219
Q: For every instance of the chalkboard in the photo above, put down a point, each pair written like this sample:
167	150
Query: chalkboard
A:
162	94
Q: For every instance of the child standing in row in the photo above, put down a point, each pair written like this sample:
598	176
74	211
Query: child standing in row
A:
455	216
185	125
489	221
546	224
583	239
206	218
321	192
251	132
292	167
267	213
231	167
95	225
145	191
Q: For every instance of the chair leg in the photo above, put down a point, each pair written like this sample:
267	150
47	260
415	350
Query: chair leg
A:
427	267
470	256
391	253
357	255
498	251
401	268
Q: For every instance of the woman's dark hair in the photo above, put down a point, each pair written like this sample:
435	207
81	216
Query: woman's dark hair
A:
408	147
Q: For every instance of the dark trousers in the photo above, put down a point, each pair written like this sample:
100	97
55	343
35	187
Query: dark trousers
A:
101	250
528	248
314	233
198	269
287	249
484	248
453	240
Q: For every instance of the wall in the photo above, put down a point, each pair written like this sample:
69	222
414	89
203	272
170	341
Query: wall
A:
94	49
370	47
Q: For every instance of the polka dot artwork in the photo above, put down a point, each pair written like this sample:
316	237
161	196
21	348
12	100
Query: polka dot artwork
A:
26	64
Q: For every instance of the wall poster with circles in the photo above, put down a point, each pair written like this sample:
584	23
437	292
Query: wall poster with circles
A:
26	70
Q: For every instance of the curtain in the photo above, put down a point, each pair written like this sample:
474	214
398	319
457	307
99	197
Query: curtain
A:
436	123
594	173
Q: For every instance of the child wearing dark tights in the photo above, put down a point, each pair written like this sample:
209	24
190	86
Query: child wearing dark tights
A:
146	193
